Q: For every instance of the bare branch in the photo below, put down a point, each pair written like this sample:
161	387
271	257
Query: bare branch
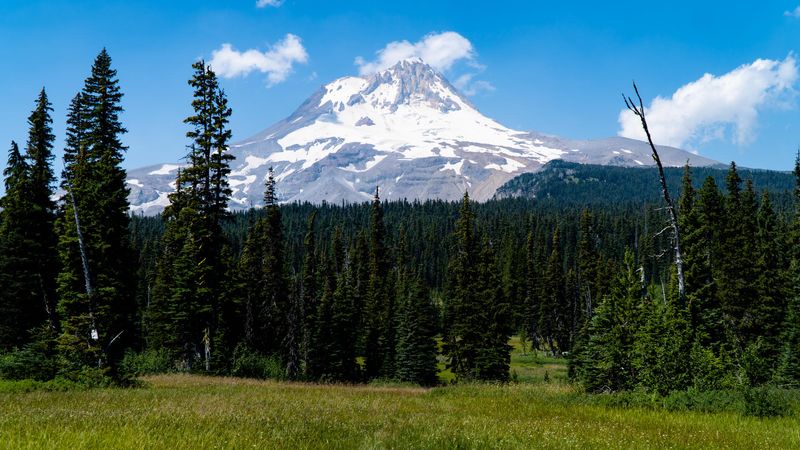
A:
670	206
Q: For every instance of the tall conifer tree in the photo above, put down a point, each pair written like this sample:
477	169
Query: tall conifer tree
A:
96	312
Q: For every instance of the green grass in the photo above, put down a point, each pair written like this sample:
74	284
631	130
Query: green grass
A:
188	411
185	411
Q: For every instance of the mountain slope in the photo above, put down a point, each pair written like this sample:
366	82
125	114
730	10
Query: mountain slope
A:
405	129
584	184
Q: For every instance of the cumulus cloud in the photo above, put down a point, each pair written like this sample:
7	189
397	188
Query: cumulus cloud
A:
277	62
793	13
265	3
439	50
717	107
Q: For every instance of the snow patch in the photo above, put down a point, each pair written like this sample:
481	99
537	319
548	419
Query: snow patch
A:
166	169
455	167
510	166
368	165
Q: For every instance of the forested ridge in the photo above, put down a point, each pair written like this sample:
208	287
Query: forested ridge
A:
382	290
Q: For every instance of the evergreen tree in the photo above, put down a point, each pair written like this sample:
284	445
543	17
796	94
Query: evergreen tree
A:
609	354
771	285
195	249
379	341
309	291
788	371
28	262
416	328
735	271
703	236
464	317
531	324
20	301
553	312
41	248
96	313
493	351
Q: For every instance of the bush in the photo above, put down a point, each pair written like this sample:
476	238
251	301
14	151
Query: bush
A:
766	402
149	362
693	399
250	364
30	362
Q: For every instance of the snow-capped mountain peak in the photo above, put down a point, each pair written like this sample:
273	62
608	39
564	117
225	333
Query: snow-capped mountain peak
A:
405	129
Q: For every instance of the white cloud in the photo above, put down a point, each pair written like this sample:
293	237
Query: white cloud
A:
265	3
470	87
793	13
714	107
439	50
277	62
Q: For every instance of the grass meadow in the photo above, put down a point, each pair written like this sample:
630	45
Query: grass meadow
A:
190	411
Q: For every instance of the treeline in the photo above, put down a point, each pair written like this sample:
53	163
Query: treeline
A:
381	290
569	183
737	324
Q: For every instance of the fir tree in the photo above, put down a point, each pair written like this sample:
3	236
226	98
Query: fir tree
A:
20	302
493	352
309	291
609	354
195	247
464	317
42	246
416	343
379	340
96	313
553	309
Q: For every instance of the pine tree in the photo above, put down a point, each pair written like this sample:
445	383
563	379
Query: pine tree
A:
342	346
194	246
416	325
416	343
379	340
28	262
309	292
20	309
704	237
42	246
772	287
662	343
493	350
464	317
477	317
609	354
531	323
552	316
735	275
96	313
788	371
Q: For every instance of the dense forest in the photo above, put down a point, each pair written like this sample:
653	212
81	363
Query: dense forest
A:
382	290
568	183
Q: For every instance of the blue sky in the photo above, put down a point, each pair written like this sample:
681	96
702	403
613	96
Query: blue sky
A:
553	67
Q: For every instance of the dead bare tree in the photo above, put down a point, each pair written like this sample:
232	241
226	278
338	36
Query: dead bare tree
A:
638	110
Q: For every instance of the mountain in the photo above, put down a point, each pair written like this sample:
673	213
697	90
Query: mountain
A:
405	129
568	183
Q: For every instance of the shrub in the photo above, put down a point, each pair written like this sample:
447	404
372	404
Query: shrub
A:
694	399
766	402
250	364
30	362
148	362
